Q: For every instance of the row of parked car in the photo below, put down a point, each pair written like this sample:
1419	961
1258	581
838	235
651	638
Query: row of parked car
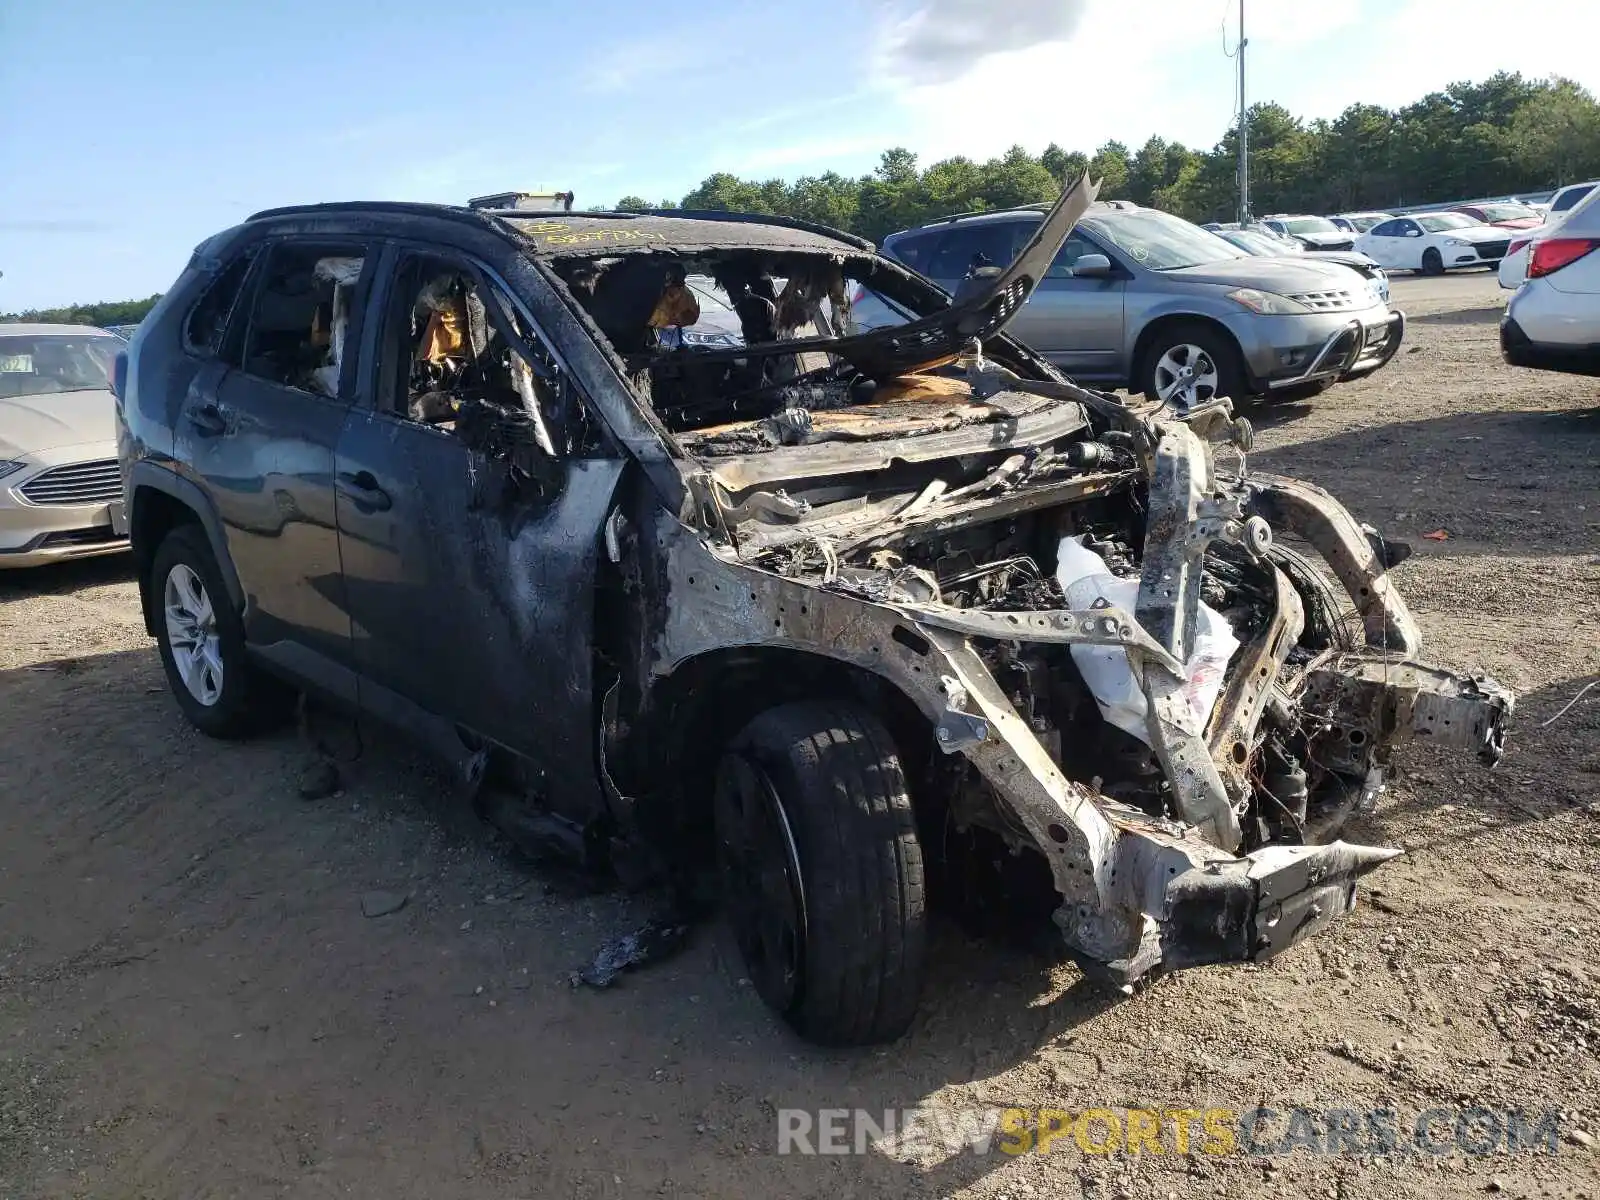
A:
1494	234
1136	298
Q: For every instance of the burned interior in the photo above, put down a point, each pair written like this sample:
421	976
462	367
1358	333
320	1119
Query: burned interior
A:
1096	635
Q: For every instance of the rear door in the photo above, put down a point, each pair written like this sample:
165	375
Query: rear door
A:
1382	243
1076	322
471	501
972	244
257	428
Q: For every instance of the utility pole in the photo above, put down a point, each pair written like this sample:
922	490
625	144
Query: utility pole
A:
1244	130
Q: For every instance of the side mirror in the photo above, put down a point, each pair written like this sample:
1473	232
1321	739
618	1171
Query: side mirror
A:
1413	233
1092	266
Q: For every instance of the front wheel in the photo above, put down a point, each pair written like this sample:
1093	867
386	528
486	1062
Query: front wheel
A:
822	871
1432	262
1189	365
201	639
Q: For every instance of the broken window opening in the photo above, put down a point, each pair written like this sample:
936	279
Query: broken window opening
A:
458	359
302	316
679	322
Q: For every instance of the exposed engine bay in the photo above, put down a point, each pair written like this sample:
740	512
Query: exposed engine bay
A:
1173	679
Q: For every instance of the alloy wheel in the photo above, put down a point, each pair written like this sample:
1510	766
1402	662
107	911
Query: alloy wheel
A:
1185	377
192	634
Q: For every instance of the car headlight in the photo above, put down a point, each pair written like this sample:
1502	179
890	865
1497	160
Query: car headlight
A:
1266	304
10	468
1457	242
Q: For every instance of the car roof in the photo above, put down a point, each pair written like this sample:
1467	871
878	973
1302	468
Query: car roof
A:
567	234
41	329
1582	217
1099	208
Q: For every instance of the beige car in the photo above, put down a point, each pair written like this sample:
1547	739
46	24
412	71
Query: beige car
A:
60	489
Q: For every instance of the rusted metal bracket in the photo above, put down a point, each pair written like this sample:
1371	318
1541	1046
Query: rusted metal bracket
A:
1305	509
1378	700
1181	494
1238	712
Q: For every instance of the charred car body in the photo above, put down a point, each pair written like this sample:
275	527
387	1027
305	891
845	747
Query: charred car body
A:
808	602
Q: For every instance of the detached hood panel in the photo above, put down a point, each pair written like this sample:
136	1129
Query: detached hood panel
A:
896	350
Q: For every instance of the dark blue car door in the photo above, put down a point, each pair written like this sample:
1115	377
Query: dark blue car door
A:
471	585
257	429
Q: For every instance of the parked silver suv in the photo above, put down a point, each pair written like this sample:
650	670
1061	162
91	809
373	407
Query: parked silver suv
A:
1141	299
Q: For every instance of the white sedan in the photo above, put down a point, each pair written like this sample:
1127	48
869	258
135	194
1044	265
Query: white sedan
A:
1433	243
1553	322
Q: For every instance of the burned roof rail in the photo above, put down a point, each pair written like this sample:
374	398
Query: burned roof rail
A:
448	212
717	214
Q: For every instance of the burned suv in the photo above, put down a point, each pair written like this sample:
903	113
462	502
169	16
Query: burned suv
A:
848	614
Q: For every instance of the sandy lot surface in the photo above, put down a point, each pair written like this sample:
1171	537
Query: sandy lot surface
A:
192	1003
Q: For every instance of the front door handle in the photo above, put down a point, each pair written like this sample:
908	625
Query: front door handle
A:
208	418
362	490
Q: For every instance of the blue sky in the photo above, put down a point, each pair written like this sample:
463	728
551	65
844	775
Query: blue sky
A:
131	132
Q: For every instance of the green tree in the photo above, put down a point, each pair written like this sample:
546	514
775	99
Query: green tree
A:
1017	178
102	313
1110	166
1065	166
1555	136
1147	171
723	192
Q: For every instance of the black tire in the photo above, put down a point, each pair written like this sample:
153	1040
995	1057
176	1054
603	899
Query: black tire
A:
1218	348
822	871
248	700
1432	262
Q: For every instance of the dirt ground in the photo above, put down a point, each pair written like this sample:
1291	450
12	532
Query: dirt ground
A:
192	1003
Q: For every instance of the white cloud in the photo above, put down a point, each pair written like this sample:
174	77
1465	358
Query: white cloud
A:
936	41
1127	69
1117	77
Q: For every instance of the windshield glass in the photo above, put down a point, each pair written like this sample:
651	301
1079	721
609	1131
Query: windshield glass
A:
1310	225
1439	222
1569	198
1506	212
39	364
1257	243
1161	242
1365	223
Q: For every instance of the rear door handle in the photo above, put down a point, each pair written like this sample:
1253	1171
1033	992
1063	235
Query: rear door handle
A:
362	490
208	418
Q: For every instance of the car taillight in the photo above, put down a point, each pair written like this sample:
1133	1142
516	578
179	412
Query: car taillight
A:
1552	254
1516	244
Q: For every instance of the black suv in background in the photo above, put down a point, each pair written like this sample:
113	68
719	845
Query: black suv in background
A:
790	605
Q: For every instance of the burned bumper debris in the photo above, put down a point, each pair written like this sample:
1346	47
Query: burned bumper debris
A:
889	596
1189	805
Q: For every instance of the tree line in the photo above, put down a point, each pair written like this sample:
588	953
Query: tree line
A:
1491	138
108	312
1473	139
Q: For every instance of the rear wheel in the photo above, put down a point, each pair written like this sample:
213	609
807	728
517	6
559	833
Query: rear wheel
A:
201	639
822	871
1188	365
1432	262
